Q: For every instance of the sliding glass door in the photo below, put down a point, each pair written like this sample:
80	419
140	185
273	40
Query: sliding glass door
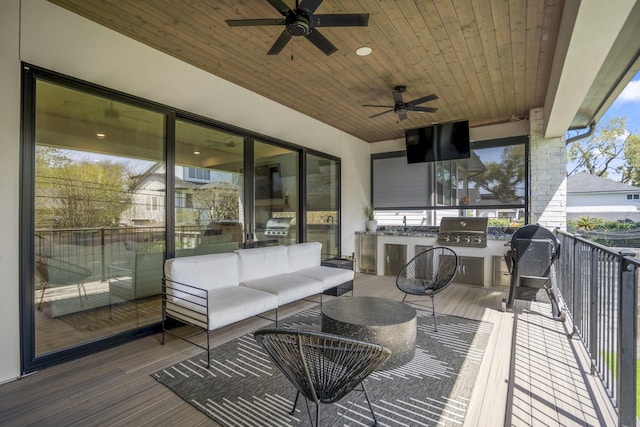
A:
112	185
276	194
98	217
208	194
322	190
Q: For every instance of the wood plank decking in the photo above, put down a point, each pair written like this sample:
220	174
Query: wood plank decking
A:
115	388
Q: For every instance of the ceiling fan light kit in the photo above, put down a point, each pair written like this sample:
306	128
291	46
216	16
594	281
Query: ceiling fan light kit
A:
302	22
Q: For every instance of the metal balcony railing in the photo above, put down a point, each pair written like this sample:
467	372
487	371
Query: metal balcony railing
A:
598	286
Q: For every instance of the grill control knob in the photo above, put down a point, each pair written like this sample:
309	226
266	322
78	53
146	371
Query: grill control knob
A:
456	239
467	239
477	240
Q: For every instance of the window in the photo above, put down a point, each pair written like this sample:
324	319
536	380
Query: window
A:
491	183
633	196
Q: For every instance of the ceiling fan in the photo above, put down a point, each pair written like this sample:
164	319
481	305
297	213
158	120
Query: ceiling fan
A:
401	108
303	21
109	112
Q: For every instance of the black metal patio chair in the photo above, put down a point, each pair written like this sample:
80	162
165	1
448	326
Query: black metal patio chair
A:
323	367
428	273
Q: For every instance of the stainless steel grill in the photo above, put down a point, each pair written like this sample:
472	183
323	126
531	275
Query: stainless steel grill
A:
277	227
463	231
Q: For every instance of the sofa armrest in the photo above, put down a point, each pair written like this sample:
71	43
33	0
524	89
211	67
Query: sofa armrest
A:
191	302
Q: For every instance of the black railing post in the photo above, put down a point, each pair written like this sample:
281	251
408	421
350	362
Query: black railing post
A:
627	315
594	305
577	294
103	273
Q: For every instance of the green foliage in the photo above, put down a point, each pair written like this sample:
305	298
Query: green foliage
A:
598	224
77	194
369	212
586	223
631	167
502	178
604	152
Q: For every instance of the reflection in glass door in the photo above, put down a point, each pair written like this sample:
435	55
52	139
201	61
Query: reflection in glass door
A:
322	190
208	190
99	217
276	195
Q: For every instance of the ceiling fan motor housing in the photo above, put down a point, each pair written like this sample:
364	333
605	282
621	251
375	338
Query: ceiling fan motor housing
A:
297	25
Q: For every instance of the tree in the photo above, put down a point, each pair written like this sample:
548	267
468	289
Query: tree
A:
78	194
631	167
601	153
220	200
501	179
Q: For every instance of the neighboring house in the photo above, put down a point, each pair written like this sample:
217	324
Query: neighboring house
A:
148	192
147	202
593	196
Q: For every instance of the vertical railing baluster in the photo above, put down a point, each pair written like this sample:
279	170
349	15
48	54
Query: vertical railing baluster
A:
594	310
626	351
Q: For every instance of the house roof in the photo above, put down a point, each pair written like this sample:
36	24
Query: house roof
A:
587	183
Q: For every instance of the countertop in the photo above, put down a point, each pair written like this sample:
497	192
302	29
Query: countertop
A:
493	233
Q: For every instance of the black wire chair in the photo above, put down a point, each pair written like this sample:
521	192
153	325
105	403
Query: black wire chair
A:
323	367
428	273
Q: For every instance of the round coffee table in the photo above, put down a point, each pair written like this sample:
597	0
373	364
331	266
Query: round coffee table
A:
389	323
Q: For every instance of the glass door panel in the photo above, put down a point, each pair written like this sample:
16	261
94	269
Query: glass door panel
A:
276	194
209	196
99	217
322	188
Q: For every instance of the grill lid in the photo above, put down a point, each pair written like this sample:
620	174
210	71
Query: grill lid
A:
463	231
464	225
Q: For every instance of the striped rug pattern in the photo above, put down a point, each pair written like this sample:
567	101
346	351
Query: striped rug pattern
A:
243	388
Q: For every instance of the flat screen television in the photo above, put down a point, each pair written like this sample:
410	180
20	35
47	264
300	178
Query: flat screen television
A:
447	141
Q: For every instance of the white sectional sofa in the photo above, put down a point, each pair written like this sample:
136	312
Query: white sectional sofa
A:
216	290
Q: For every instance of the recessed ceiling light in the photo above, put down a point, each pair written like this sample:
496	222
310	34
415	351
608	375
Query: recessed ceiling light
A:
196	152
363	51
101	135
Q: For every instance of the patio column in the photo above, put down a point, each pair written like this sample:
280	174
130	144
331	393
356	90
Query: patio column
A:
548	175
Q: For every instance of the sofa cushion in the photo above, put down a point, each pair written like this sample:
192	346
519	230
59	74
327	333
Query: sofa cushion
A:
188	279
304	255
262	262
286	287
329	276
226	306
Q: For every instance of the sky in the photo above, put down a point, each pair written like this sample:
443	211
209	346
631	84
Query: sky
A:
628	105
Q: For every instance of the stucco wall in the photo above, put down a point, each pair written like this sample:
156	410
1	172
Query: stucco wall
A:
9	178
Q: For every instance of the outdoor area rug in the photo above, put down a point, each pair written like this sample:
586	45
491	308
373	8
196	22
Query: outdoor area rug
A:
244	388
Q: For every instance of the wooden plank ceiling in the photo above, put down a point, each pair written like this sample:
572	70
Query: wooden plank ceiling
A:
486	60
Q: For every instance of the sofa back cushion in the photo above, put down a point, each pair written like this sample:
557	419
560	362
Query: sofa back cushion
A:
304	255
204	271
262	262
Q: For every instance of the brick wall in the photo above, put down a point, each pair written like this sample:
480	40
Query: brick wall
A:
548	170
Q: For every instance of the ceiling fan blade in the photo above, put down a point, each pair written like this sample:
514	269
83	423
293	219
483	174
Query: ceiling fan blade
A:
383	106
321	42
280	6
254	22
309	6
423	109
280	43
340	20
422	100
402	115
379	114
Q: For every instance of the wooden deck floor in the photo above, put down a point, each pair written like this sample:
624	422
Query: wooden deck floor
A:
115	387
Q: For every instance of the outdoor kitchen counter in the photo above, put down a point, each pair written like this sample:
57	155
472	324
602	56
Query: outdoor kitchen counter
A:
496	240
